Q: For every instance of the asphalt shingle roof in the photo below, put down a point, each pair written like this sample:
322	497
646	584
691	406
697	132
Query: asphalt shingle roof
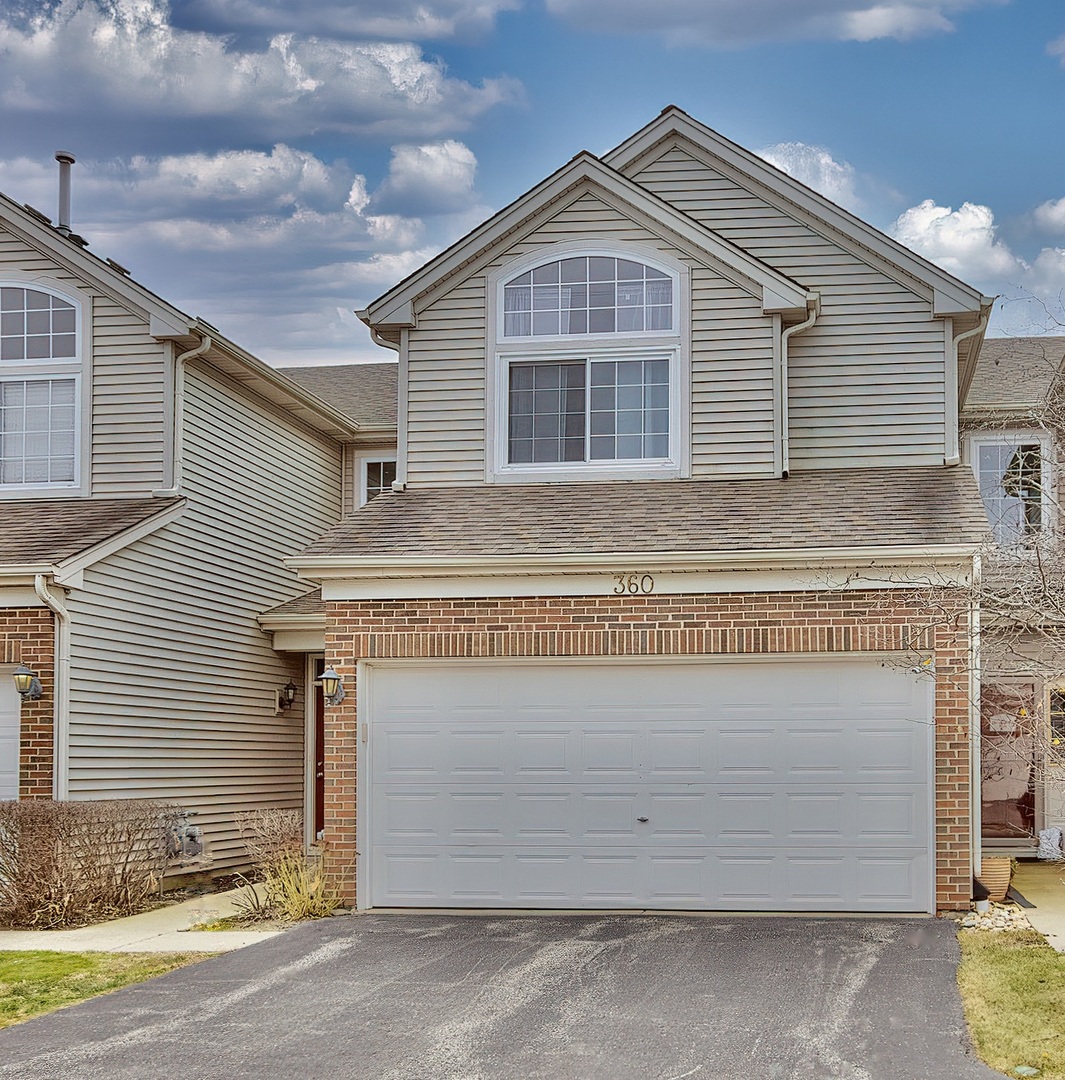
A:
842	508
365	392
308	604
1015	372
48	531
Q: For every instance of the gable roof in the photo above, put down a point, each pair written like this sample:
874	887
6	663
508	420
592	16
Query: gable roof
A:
1015	374
850	509
951	296
367	393
778	292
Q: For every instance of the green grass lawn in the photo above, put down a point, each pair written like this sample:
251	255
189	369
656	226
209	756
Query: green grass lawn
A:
1013	986
32	983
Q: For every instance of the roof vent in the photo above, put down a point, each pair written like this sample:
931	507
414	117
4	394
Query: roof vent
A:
65	159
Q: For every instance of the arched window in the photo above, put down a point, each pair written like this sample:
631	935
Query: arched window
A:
590	375
40	368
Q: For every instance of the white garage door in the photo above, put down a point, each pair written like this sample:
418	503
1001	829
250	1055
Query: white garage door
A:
9	735
744	786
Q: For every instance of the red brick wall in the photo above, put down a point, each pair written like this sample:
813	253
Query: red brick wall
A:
729	624
27	637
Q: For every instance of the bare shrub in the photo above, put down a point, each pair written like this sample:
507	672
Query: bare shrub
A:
293	886
68	863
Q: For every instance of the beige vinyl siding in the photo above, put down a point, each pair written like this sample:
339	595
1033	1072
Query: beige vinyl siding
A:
875	349
128	398
732	363
173	686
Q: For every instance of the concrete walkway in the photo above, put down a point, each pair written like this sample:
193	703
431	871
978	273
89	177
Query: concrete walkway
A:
166	929
1043	884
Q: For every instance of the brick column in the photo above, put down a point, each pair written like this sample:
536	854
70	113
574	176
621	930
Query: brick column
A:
27	636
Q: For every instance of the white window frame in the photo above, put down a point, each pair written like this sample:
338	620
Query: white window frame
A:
673	345
362	494
77	368
1010	437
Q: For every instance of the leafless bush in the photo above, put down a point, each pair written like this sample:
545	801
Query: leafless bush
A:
293	885
67	863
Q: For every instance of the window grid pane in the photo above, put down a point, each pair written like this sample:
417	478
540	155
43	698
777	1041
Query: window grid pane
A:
379	477
1010	477
37	431
547	412
629	416
587	295
35	326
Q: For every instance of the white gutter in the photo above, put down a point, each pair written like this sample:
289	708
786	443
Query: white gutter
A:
813	306
60	689
383	342
340	566
953	438
179	417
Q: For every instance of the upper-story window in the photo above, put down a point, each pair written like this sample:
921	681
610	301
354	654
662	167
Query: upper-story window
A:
589	377
40	375
1014	478
375	477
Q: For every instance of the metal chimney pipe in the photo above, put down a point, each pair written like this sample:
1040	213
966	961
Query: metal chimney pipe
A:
65	159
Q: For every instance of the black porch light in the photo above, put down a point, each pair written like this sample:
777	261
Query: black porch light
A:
27	683
286	696
332	686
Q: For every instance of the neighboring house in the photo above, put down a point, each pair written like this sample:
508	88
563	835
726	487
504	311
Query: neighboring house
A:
153	477
635	626
1012	422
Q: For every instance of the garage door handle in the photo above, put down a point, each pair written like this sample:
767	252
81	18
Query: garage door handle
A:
641	819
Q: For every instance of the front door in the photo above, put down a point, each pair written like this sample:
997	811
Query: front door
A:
1009	730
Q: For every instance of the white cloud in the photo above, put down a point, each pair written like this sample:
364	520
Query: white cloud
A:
435	176
412	20
961	241
738	22
817	168
269	247
129	60
1050	216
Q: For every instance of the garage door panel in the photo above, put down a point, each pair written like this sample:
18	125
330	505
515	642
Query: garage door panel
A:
775	786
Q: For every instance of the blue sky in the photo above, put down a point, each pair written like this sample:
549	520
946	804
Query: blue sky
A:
271	165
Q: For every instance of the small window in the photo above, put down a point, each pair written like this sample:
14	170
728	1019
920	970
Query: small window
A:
377	476
39	389
1011	475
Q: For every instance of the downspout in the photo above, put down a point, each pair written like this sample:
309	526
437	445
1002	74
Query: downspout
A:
60	689
953	438
179	417
813	305
976	824
400	482
376	338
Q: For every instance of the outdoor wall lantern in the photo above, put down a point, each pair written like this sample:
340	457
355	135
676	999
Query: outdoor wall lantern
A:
27	683
286	696
332	686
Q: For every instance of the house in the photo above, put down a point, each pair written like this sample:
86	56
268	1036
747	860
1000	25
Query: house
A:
153	478
1012	437
636	624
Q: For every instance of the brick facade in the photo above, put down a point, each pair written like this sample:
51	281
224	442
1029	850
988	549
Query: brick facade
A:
656	625
27	637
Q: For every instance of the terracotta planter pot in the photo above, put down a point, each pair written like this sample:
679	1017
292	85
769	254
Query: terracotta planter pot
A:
995	874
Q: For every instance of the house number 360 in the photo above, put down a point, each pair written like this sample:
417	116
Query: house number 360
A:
633	584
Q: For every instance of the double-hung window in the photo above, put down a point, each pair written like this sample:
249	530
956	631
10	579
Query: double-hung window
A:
1014	479
589	373
40	375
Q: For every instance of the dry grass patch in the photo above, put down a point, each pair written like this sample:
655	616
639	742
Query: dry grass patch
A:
32	983
1013	987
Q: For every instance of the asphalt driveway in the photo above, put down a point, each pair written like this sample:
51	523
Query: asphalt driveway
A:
428	997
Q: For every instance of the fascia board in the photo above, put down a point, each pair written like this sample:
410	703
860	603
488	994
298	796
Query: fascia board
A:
68	572
88	266
950	295
325	567
395	308
23	573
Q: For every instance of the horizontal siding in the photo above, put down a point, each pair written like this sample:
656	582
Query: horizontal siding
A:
873	334
173	688
732	420
128	382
